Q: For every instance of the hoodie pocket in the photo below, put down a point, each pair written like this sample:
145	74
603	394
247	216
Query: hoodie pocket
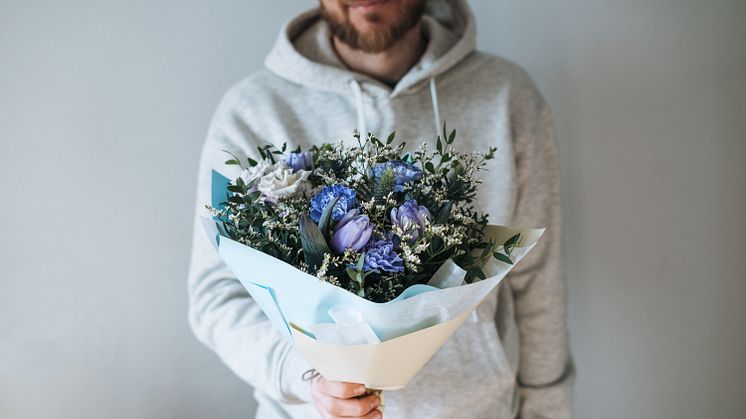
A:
484	316
505	376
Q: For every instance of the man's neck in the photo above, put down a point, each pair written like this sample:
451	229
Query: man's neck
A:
386	66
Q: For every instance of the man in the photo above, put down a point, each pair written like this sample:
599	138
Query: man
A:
403	65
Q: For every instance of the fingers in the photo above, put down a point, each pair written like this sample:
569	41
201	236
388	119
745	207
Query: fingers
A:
338	409
338	389
348	408
340	400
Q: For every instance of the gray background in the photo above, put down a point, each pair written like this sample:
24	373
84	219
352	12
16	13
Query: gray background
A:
103	108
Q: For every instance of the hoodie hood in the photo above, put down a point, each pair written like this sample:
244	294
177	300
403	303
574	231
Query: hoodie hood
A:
303	52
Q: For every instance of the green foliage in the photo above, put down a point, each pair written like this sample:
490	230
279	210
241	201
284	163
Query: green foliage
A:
508	247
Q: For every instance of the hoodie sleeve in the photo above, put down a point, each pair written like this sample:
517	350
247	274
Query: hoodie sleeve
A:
222	314
545	371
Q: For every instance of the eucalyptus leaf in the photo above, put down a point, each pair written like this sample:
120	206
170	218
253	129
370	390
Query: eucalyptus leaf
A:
487	249
503	258
512	240
511	243
478	273
234	160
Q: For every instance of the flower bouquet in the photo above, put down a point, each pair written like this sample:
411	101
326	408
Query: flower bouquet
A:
366	257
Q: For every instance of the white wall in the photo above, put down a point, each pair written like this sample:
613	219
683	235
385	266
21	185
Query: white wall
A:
103	108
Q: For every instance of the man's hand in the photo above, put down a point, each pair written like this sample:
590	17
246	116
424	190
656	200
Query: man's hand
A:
334	399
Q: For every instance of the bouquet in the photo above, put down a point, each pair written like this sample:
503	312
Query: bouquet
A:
367	257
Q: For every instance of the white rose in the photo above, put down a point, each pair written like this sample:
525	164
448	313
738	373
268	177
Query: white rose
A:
280	182
255	172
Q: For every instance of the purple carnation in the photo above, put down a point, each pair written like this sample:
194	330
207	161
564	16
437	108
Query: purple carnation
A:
403	172
381	255
327	195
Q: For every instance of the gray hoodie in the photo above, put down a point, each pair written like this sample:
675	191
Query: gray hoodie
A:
511	358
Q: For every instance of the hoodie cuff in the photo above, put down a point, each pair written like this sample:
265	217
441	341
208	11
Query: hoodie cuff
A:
292	387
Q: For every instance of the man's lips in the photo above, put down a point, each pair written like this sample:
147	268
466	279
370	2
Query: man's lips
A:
365	4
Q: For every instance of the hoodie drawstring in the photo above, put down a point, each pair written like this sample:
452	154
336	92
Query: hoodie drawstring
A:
436	109
358	92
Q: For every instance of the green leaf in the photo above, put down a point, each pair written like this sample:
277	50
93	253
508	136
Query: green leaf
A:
512	240
361	262
326	217
451	137
313	243
352	274
390	139
486	250
252	162
429	167
439	145
234	160
444	213
511	243
478	273
503	258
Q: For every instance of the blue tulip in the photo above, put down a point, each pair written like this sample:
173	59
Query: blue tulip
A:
353	232
300	161
411	218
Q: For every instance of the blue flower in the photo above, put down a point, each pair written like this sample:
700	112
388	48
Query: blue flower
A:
411	218
382	256
403	172
300	161
352	232
327	195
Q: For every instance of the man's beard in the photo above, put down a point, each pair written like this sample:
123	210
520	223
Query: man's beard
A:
410	13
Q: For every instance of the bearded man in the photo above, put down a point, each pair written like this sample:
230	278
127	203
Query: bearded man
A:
404	65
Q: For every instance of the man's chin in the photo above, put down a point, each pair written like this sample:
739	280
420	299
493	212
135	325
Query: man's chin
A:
373	31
